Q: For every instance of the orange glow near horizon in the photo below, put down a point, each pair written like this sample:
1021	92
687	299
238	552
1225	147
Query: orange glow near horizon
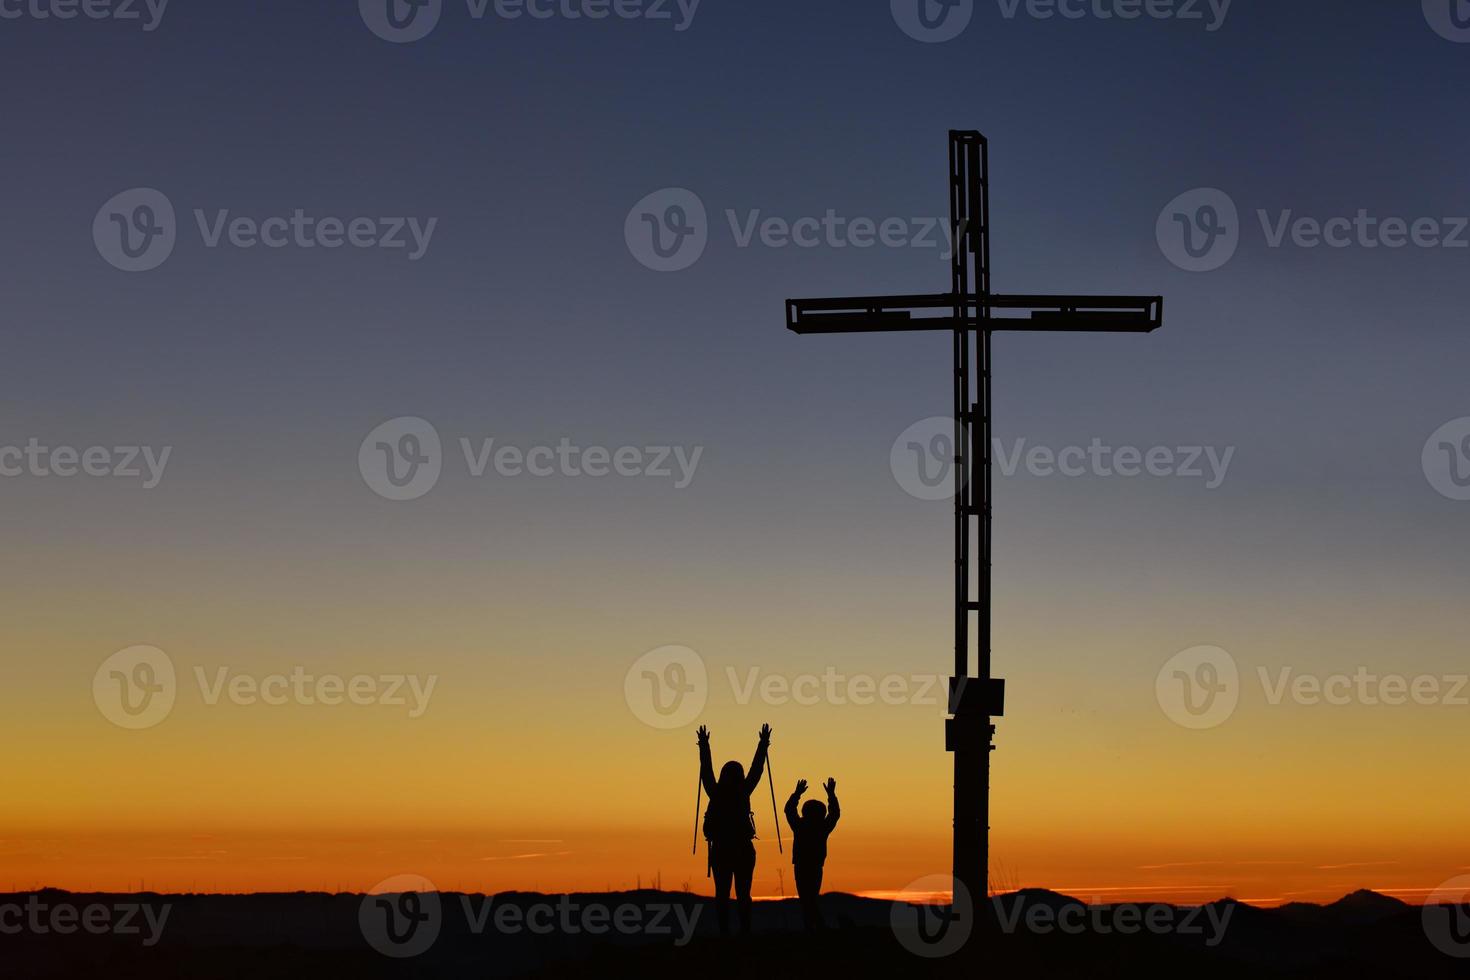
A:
538	777
257	861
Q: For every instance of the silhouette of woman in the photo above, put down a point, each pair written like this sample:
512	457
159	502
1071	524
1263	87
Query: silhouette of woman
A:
729	827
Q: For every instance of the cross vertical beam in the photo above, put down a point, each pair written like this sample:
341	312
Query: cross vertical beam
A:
969	735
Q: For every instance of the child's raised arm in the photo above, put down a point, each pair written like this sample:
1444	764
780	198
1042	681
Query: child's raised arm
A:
833	810
791	815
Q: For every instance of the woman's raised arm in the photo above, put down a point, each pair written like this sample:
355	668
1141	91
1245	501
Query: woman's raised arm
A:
758	764
706	767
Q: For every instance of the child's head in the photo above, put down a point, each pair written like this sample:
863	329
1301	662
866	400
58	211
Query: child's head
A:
814	810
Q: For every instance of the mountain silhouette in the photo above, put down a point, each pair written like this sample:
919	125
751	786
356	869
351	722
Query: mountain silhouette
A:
1363	906
316	934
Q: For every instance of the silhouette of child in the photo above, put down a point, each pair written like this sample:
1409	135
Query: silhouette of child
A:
809	832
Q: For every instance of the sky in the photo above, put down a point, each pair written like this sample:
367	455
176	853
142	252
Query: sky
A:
497	615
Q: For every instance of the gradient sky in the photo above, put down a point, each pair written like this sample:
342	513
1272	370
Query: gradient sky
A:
794	549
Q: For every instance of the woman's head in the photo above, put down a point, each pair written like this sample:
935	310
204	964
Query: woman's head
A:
732	777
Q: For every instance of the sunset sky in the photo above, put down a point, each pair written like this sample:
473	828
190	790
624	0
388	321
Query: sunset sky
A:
793	550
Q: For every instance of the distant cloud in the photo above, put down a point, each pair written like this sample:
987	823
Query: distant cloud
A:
526	857
909	897
1099	890
1217	864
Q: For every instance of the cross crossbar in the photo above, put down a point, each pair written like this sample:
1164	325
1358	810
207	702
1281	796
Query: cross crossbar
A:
877	314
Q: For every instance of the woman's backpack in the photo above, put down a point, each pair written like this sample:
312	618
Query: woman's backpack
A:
729	820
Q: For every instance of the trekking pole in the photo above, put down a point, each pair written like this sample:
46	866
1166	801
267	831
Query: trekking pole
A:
771	779
698	795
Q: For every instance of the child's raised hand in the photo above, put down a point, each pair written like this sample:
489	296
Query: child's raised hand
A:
800	786
703	735
830	785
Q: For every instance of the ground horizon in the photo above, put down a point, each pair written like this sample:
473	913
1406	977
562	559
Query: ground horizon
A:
938	898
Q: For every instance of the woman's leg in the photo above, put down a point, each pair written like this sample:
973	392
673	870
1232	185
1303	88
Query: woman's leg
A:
723	873
744	873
